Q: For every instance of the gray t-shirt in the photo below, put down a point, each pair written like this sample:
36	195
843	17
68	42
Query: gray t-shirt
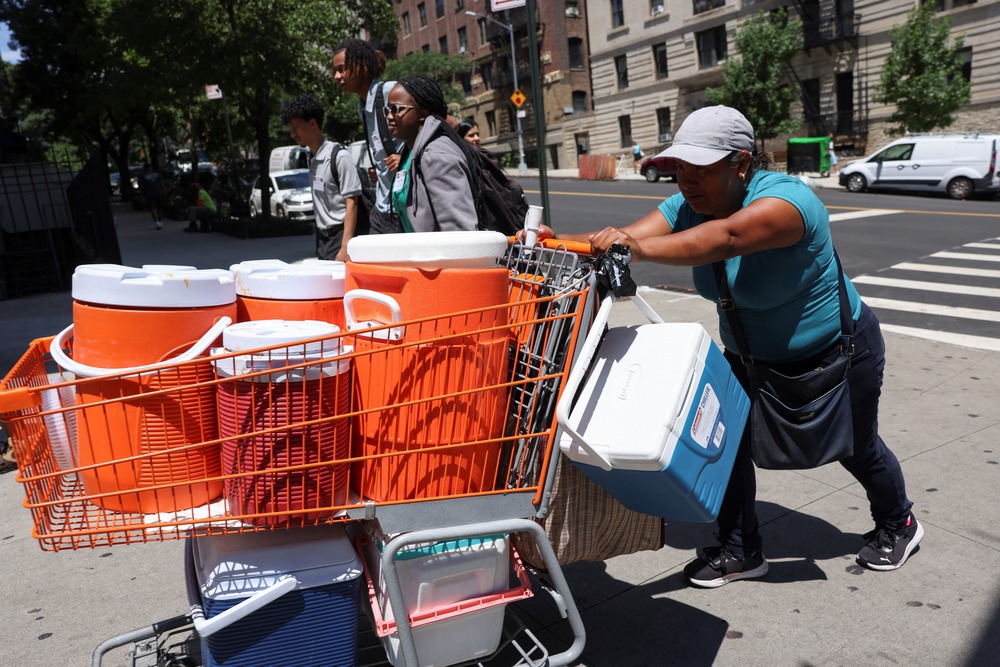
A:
328	199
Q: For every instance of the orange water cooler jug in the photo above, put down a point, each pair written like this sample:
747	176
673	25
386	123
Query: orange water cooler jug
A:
428	275
126	318
270	289
284	444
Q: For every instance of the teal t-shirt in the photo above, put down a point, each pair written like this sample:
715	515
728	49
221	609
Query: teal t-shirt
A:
400	190
787	297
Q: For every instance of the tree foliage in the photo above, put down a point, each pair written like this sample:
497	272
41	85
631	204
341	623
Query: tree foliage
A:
756	82
922	75
438	66
109	71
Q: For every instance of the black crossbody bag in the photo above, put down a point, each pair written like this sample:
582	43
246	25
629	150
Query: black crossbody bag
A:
802	421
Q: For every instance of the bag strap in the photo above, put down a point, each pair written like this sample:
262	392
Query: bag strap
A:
729	308
334	174
388	143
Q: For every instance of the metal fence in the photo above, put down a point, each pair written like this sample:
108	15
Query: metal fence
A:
54	215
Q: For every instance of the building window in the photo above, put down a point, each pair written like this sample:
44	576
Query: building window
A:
422	12
711	46
617	13
621	70
463	41
704	5
663	124
579	101
483	41
965	55
405	18
625	130
426	48
573	8
491	122
660	60
486	71
656	7
459	5
439	8
466	80
443	45
576	59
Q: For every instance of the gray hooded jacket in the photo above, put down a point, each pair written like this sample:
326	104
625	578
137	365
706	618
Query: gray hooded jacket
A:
440	195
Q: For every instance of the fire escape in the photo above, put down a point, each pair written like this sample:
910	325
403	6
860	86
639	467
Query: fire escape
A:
503	77
832	27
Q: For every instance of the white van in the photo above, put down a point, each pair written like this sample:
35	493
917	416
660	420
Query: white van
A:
959	164
284	158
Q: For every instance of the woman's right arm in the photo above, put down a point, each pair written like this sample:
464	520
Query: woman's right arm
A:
651	224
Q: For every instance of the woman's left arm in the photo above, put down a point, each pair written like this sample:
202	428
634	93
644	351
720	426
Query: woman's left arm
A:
448	189
764	224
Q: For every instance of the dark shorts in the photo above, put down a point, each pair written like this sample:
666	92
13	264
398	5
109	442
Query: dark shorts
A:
384	222
328	242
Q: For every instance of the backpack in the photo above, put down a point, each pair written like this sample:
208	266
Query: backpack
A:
366	198
504	205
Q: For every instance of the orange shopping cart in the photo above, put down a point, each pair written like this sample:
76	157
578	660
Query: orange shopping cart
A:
433	430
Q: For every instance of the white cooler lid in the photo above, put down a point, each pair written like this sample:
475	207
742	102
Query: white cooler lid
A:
276	279
273	333
636	396
240	564
153	286
466	250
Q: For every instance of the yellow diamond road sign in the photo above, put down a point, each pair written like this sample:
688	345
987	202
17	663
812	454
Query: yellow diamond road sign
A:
518	98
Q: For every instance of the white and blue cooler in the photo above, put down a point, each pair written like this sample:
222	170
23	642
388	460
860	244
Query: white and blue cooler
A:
658	419
276	598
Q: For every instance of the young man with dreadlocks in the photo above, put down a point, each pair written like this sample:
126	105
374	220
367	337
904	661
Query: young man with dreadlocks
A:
356	69
438	187
335	185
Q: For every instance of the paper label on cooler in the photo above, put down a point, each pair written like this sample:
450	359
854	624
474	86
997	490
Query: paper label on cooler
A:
707	428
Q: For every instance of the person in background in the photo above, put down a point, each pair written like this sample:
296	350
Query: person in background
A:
204	210
773	235
833	156
469	130
151	185
437	187
356	69
636	157
335	199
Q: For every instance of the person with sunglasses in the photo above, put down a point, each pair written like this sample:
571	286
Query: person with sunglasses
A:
437	187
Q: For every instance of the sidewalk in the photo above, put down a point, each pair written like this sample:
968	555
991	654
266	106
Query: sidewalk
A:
815	607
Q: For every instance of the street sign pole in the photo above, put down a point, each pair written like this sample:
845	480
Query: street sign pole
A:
538	103
215	93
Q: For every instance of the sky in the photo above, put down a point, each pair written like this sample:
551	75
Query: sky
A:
5	51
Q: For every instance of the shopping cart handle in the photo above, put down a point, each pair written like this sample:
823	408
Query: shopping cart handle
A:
82	370
576	247
209	626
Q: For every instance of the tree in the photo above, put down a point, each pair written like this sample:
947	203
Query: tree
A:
438	66
756	82
922	76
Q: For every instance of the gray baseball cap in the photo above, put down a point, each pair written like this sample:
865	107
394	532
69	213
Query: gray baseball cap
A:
710	134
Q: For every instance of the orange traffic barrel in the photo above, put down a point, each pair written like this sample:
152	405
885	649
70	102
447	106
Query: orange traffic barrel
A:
145	428
285	446
270	289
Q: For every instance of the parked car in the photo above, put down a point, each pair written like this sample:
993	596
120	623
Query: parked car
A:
961	165
291	195
114	178
655	167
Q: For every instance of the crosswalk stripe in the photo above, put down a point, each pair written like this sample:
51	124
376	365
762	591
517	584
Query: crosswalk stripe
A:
931	309
984	246
926	286
967	255
963	340
938	268
866	213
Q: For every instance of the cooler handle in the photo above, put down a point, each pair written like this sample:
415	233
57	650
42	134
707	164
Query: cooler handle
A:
209	626
81	370
582	365
395	314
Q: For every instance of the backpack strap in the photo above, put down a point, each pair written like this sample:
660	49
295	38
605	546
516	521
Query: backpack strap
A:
388	143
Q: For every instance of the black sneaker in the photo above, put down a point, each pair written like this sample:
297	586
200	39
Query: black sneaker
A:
717	566
888	548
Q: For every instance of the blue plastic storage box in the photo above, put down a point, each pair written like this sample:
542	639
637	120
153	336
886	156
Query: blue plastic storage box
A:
314	576
661	414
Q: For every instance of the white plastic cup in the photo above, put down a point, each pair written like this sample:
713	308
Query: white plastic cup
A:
532	223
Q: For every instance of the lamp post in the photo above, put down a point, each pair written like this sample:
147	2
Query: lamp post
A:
522	168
